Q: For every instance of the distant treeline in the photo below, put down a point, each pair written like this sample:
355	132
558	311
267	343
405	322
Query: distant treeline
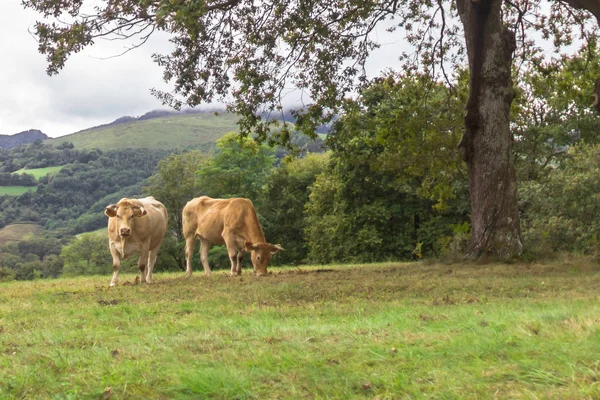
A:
72	200
8	179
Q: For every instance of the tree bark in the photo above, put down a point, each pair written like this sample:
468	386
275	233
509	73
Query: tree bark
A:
596	95
487	142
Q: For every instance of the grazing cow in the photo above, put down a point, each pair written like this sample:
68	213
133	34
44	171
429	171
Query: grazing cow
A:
136	225
232	222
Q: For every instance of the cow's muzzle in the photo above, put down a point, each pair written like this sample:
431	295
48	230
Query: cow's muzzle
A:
125	232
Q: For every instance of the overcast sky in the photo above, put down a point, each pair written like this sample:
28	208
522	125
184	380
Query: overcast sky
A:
91	89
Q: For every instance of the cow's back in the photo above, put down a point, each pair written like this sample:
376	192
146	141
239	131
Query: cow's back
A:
208	218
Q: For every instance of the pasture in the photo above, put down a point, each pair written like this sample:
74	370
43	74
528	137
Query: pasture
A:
172	132
39	172
16	190
383	331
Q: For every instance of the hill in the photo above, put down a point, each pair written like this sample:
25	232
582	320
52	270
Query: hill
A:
16	232
171	132
18	139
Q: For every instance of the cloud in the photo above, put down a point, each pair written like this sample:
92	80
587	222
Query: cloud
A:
91	89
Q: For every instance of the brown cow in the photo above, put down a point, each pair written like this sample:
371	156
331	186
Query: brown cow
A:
136	225
232	222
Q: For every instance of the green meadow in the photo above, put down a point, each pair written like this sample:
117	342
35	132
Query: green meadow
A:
39	172
378	331
16	190
172	132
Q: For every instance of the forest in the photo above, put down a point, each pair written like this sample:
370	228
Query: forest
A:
390	185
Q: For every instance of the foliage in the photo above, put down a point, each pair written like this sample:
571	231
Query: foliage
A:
283	200
345	332
219	54
87	254
553	111
171	256
373	204
31	258
174	184
61	200
17	179
409	126
238	169
569	221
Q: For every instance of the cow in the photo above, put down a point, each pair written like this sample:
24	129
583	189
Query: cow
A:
232	222
136	225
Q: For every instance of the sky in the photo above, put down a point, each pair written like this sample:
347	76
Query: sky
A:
92	89
89	91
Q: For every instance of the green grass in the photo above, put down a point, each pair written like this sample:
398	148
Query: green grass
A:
100	232
172	132
385	331
39	172
16	190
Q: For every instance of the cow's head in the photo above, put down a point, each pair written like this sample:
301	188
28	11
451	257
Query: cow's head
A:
261	253
125	212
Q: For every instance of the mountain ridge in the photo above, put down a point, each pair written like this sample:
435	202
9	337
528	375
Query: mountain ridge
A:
18	139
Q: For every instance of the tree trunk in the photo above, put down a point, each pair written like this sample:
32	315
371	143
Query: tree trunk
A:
487	143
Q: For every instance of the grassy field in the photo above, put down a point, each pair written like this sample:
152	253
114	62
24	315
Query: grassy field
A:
100	231
173	132
15	190
39	172
381	331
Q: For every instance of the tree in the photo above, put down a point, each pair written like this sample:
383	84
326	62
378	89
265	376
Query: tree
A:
175	184
239	169
86	255
282	205
393	159
254	51
568	223
552	112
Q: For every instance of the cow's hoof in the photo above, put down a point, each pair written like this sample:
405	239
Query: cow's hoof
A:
113	284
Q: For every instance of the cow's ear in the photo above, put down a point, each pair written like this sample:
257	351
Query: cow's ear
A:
251	246
139	211
275	248
111	211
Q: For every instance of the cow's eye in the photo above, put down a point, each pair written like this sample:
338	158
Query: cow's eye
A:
258	257
118	216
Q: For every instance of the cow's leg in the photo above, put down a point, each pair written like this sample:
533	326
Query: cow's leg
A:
240	257
116	260
230	242
204	247
143	263
151	261
190	242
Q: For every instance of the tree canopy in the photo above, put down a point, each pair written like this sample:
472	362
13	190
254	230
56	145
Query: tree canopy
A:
249	54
